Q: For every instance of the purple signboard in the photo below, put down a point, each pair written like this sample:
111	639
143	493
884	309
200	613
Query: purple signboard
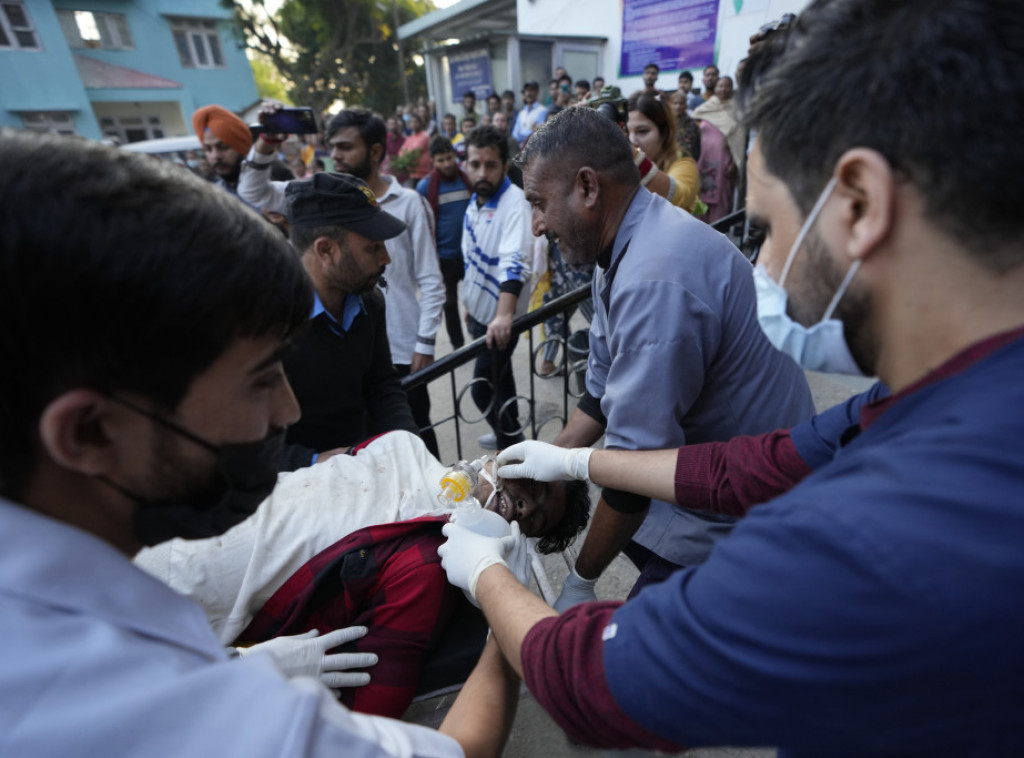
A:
673	34
470	70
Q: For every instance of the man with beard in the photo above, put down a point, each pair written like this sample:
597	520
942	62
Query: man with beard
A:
341	367
142	398
225	139
873	608
496	245
415	290
447	191
710	82
650	78
501	123
676	354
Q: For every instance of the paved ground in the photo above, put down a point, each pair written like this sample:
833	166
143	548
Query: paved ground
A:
534	734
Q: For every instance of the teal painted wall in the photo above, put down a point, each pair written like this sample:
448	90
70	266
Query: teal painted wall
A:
49	79
44	79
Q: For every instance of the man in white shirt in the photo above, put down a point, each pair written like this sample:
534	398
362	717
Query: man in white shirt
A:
496	246
158	413
531	115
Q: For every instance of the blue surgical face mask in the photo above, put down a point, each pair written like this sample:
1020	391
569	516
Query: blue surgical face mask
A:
821	347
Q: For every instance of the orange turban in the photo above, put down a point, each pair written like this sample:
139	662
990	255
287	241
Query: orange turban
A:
225	125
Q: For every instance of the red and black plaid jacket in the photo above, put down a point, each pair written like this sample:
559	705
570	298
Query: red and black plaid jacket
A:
387	578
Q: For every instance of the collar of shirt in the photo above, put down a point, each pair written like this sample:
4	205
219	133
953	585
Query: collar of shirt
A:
353	307
492	201
627	227
392	190
963	360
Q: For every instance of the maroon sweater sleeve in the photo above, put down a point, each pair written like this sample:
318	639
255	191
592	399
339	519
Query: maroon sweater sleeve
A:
732	477
564	669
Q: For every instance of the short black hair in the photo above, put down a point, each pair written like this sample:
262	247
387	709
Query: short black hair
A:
652	65
440	145
565	78
303	237
686	75
578	137
469	93
488	136
508	93
856	59
372	129
577	512
123	274
583	83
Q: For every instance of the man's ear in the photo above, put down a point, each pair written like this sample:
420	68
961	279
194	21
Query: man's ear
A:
588	187
324	249
377	154
867	184
75	431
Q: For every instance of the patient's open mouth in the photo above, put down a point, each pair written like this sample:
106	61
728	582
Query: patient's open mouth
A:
502	506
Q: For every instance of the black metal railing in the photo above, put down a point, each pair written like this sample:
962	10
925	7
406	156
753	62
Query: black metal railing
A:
572	371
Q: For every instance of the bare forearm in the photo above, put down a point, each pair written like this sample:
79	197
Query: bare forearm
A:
581	431
511	610
644	472
610	531
481	717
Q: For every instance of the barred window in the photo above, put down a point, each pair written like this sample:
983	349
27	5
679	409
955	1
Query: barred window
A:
97	31
197	42
16	30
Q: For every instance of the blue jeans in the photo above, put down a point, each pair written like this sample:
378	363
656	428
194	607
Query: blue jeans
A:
495	366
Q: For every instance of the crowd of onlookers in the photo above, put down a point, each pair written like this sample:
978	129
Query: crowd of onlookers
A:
690	133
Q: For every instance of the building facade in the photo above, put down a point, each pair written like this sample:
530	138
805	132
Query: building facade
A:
501	44
127	70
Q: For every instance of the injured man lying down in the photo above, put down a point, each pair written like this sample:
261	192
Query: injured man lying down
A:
352	542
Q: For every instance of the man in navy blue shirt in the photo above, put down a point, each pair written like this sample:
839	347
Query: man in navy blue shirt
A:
447	190
872	607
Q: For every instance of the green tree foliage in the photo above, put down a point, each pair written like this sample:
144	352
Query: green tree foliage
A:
331	50
269	82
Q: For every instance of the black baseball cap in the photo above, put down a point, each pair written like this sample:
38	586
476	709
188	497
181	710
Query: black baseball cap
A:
330	199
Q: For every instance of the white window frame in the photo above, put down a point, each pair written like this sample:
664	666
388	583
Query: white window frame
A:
201	40
114	32
118	126
53	122
11	32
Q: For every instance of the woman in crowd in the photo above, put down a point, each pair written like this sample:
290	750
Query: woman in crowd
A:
722	150
652	128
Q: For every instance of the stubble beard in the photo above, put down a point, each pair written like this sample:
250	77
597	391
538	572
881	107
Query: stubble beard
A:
824	277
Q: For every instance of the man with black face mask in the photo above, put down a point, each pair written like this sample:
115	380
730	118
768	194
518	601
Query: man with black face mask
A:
142	397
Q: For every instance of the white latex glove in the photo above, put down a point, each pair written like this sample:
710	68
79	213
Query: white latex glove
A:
305	655
576	590
518	559
465	554
543	462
